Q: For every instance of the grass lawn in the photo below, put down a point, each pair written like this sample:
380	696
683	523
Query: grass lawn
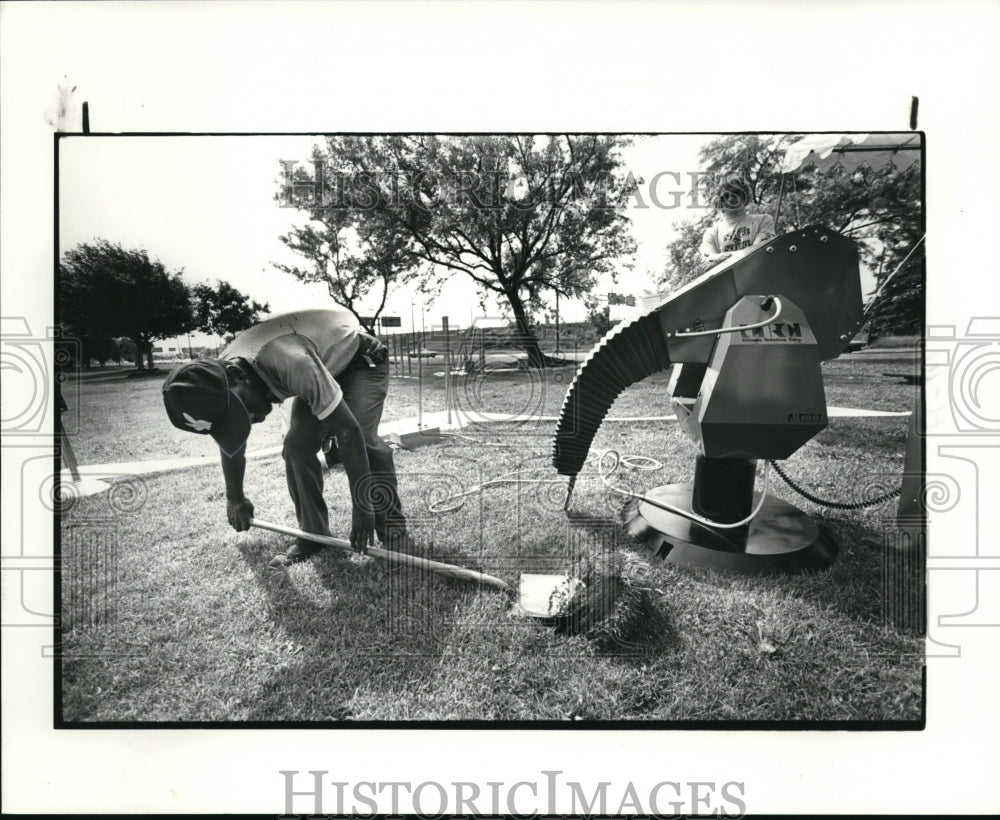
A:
187	624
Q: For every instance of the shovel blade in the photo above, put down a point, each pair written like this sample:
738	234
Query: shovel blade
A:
545	596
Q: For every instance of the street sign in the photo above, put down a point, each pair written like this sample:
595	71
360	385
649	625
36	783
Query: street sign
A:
391	321
619	299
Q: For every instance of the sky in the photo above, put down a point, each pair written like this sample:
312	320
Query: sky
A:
204	206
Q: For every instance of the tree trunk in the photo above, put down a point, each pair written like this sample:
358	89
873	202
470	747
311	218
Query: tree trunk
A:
143	354
529	342
138	352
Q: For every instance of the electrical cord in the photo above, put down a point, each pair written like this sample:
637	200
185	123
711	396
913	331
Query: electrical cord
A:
670	508
837	505
507	478
636	462
643	463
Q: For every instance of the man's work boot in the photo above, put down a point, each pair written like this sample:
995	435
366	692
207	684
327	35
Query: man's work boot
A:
299	551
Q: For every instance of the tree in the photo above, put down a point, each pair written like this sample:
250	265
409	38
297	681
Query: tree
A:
108	291
521	216
757	159
598	313
879	208
882	210
351	261
126	349
223	310
900	308
100	348
684	256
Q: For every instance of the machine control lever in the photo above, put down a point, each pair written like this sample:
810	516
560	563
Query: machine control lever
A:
765	304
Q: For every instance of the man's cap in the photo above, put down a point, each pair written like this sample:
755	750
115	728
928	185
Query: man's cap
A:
198	400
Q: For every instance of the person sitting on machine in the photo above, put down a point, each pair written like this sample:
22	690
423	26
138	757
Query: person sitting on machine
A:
735	229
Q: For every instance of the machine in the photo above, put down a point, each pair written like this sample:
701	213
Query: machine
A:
745	341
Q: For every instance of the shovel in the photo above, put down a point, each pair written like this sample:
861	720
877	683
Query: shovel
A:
538	596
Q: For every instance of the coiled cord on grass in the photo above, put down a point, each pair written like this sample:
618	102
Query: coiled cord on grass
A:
636	462
668	507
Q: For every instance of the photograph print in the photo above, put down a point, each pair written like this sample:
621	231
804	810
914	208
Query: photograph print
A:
575	430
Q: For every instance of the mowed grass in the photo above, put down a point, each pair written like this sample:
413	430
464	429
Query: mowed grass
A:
191	626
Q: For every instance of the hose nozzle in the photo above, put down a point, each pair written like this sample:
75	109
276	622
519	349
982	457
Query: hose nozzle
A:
569	493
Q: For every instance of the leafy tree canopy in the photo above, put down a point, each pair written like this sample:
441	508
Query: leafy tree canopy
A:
519	215
880	208
223	310
106	291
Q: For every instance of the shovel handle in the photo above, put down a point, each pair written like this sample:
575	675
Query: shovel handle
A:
391	556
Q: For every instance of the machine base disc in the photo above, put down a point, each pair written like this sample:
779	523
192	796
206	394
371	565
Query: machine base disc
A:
781	539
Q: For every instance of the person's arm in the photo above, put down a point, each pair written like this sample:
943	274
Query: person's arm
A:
239	510
710	251
766	229
716	258
294	362
351	444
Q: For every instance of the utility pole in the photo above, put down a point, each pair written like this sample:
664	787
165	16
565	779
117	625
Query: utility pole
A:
557	321
420	388
447	367
410	346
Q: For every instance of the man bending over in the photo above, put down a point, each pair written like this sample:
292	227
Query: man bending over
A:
337	376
